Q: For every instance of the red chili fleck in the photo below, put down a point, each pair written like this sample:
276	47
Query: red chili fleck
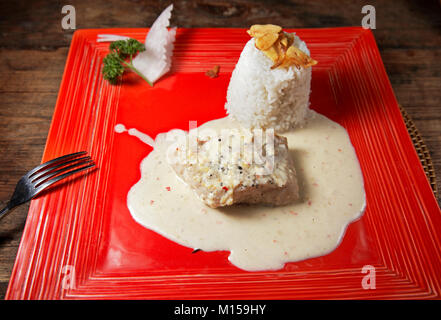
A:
339	150
168	188
225	188
309	202
315	184
152	202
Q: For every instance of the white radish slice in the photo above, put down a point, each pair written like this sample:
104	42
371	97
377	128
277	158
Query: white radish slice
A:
155	61
110	38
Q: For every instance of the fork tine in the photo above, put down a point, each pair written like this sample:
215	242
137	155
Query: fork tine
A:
39	174
43	178
60	177
46	164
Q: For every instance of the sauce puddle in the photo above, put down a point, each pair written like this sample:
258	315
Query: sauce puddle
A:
258	237
120	128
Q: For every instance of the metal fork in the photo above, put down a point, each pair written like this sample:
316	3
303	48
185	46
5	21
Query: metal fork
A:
45	175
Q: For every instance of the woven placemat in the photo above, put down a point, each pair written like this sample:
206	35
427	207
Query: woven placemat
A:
422	150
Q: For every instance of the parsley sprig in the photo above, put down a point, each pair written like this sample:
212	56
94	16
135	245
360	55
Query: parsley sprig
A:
120	58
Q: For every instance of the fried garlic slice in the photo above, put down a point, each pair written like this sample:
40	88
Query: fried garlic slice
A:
295	56
279	46
266	41
259	30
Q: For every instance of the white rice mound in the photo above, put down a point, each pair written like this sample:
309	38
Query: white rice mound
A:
259	97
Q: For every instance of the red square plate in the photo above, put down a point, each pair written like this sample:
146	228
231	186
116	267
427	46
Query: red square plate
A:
80	240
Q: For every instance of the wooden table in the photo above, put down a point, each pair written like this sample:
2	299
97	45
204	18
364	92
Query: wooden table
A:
33	50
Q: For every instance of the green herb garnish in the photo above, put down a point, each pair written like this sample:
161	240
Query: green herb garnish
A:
120	58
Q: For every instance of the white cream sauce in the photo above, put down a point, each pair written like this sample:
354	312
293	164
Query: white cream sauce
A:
259	237
120	128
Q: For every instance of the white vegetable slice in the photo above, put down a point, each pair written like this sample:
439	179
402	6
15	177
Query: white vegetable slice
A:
155	61
110	37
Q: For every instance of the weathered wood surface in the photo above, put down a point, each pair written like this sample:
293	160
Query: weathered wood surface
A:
33	50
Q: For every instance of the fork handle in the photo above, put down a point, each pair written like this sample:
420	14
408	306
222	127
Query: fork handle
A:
4	212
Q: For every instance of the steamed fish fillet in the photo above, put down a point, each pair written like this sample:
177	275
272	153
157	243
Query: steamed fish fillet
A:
223	174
